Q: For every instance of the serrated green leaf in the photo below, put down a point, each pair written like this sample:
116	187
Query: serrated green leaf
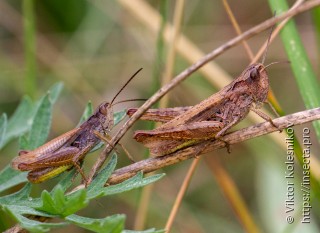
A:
10	178
20	121
55	91
41	124
20	204
97	185
111	224
88	111
58	203
119	116
3	128
135	182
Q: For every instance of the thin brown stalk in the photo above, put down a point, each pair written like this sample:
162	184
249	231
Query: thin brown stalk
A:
224	180
186	73
168	73
232	194
274	33
181	193
152	164
237	28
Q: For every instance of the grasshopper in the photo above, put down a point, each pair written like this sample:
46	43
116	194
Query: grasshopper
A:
211	118
69	149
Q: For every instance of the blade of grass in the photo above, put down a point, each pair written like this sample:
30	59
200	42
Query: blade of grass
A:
300	63
29	47
305	78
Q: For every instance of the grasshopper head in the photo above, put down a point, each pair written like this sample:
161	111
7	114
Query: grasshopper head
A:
105	110
256	79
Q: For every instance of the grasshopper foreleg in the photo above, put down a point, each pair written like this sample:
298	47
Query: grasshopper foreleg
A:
265	117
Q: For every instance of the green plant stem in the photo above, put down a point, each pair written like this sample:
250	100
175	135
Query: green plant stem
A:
29	47
300	64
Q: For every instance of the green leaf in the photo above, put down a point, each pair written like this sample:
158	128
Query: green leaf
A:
20	121
23	141
15	198
20	204
31	225
55	91
41	124
35	226
119	116
3	128
58	203
88	111
135	182
111	224
67	180
10	178
96	187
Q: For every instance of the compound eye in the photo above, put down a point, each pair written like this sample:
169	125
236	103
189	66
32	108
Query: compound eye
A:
104	108
254	74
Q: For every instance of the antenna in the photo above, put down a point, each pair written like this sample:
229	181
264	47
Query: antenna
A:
275	62
267	47
125	85
268	42
129	100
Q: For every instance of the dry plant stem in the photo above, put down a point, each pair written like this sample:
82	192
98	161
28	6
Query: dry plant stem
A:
220	174
275	33
257	130
181	193
168	73
232	194
186	73
153	164
150	18
237	28
178	13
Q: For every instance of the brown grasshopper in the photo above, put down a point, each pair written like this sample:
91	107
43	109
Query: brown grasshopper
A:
211	118
68	149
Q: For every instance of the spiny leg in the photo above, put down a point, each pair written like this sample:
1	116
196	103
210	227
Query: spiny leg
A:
265	117
78	157
106	138
272	108
224	130
79	169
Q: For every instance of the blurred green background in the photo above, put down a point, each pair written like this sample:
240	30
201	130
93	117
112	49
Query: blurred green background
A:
93	47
